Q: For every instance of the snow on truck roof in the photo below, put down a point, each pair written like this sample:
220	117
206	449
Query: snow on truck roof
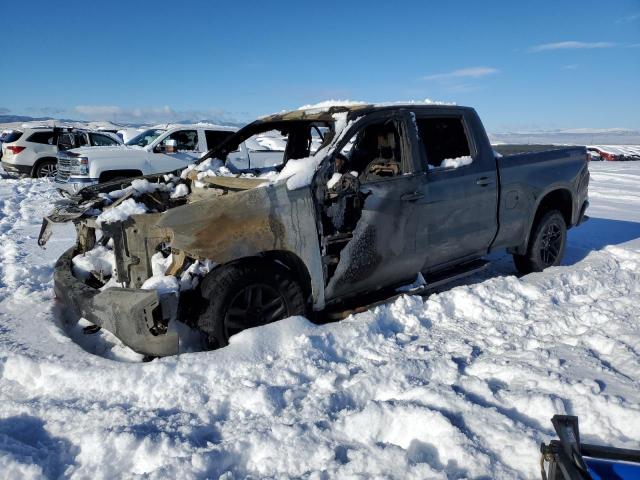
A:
182	126
324	111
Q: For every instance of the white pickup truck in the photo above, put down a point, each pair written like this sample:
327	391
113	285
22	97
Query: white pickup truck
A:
156	150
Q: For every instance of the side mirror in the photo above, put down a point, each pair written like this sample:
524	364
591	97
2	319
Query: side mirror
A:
169	146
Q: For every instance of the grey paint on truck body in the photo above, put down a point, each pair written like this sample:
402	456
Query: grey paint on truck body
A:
421	221
525	180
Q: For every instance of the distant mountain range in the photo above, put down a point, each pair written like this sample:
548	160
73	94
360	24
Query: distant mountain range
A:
572	136
24	118
17	119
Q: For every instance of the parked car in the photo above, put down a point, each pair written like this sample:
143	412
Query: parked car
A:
593	154
32	151
69	138
3	135
154	150
393	191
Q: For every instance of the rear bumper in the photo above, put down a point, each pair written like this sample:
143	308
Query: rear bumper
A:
132	315
16	169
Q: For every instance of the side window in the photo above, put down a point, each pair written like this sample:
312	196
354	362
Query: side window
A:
186	140
271	141
99	140
216	137
46	138
12	136
445	141
66	141
372	153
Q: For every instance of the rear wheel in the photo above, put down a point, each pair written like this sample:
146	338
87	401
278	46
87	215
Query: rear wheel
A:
46	169
546	244
246	295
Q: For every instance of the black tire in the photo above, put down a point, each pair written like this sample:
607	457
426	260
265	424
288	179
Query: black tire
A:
546	244
46	169
245	295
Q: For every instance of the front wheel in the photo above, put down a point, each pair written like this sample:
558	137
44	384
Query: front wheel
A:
245	295
546	244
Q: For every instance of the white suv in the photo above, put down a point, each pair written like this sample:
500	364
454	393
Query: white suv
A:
32	151
156	150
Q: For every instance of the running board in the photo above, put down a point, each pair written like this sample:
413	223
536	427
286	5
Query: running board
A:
434	281
456	273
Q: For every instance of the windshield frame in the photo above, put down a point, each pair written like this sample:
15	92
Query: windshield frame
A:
233	142
145	133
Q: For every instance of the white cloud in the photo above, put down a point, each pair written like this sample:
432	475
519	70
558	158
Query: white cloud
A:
470	72
163	114
114	111
570	45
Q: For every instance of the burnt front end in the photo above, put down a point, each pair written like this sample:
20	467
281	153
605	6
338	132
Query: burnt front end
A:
158	258
114	300
134	316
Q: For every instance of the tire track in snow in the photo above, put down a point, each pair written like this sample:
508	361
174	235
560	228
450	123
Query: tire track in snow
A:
7	244
20	217
25	269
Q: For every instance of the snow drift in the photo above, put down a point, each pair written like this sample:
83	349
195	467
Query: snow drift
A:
462	384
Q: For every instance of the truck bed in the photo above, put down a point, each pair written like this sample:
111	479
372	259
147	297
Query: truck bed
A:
525	178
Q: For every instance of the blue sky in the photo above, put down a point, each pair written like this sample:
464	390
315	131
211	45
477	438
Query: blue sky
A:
522	65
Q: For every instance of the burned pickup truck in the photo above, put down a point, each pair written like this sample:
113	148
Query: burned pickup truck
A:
390	192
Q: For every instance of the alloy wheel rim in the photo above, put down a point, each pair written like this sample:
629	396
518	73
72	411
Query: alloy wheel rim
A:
550	245
47	171
254	305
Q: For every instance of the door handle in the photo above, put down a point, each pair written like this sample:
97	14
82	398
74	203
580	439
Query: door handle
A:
412	196
484	181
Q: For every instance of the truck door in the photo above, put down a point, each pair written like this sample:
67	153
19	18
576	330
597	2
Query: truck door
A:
370	217
458	212
187	151
239	158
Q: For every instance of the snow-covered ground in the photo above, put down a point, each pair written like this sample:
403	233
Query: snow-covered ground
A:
461	384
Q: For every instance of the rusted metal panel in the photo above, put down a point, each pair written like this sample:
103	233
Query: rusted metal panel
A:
229	183
135	242
317	115
248	223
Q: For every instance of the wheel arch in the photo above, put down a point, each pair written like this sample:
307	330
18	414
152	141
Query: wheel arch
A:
290	261
39	162
560	199
295	264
